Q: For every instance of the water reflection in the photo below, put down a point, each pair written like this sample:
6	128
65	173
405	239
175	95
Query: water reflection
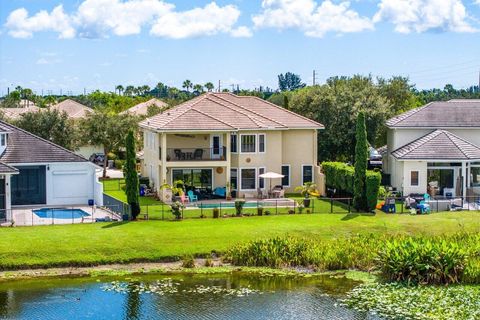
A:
226	296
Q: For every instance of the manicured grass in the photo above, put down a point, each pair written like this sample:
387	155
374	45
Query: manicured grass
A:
102	243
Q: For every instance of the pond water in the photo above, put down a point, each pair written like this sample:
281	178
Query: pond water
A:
198	296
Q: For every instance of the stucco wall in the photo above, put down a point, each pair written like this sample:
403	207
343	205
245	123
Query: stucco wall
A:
87	151
421	167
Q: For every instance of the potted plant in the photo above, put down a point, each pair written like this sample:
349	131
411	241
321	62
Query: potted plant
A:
259	211
239	207
216	213
305	190
177	208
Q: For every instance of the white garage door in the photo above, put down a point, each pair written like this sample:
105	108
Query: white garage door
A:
70	184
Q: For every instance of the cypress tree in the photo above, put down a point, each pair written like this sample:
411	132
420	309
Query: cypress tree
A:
361	159
131	176
285	102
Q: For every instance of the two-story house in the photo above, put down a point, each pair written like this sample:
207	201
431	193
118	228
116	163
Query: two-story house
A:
220	138
436	146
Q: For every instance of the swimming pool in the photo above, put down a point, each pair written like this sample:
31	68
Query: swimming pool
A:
60	213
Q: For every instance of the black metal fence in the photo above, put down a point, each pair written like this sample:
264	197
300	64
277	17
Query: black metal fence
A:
437	204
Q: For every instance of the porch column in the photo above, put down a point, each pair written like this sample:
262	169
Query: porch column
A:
163	156
464	179
8	198
229	162
469	173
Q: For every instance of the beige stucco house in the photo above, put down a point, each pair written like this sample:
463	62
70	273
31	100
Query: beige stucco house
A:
436	149
220	138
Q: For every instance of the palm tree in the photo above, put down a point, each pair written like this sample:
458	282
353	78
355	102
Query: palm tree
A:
172	92
187	84
209	86
119	88
198	88
145	89
129	90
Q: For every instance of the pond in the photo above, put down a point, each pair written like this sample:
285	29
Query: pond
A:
178	296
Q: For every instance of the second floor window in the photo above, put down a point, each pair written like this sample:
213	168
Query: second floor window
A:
248	143
233	143
261	143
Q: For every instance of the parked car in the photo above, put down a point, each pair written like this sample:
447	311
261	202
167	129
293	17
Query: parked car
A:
374	159
97	158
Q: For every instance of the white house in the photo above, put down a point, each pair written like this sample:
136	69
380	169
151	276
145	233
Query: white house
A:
436	149
35	172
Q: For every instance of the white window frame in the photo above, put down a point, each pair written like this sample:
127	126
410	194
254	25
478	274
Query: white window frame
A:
256	143
192	168
289	174
258	177
231	187
418	178
264	142
236	138
313	176
3	139
240	177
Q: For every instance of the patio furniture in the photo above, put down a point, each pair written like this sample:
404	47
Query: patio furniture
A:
191	196
198	154
389	206
220	192
456	204
184	199
260	193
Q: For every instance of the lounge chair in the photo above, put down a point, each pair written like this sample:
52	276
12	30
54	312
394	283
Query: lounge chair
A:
184	199
191	196
198	154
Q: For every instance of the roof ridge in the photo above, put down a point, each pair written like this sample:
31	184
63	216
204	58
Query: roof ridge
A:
207	115
42	139
450	135
284	109
185	105
430	136
242	111
407	114
244	108
9	166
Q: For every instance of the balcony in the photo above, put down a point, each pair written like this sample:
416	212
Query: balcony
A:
197	154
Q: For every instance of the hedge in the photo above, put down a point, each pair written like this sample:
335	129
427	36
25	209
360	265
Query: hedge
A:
340	176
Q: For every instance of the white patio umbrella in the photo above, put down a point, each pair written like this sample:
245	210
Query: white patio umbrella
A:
271	175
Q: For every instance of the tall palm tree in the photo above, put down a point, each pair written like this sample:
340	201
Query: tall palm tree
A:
145	89
187	84
119	88
129	90
209	86
198	88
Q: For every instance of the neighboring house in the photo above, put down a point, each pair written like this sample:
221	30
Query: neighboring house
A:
15	113
436	146
218	138
141	109
76	111
73	109
37	172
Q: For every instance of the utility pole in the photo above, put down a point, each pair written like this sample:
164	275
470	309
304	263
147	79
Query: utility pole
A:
219	86
314	76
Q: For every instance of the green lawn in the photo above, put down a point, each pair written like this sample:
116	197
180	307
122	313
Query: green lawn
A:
102	243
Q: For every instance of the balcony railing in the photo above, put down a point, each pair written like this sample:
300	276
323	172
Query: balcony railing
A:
197	154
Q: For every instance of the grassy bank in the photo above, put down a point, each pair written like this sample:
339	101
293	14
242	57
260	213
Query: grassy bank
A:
104	243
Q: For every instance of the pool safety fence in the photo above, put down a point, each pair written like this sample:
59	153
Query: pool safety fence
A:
59	215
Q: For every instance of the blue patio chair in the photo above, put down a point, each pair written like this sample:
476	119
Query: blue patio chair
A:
191	196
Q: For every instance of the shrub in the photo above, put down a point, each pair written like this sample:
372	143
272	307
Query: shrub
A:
188	262
111	156
208	262
239	207
259	211
144	180
177	209
119	164
422	260
361	155
373	181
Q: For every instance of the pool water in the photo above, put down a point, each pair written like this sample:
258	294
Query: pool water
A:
60	213
176	296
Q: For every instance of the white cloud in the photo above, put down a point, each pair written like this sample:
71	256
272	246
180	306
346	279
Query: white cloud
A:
101	18
20	25
313	19
209	20
424	15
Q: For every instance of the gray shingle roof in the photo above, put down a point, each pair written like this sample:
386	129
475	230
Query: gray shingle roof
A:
438	145
24	147
5	168
448	114
226	111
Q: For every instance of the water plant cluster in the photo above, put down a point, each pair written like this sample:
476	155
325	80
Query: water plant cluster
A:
168	286
396	301
421	259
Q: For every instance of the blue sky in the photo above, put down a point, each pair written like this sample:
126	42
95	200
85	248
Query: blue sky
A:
54	45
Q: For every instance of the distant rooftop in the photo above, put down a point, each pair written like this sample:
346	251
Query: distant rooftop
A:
226	111
442	114
74	110
141	109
